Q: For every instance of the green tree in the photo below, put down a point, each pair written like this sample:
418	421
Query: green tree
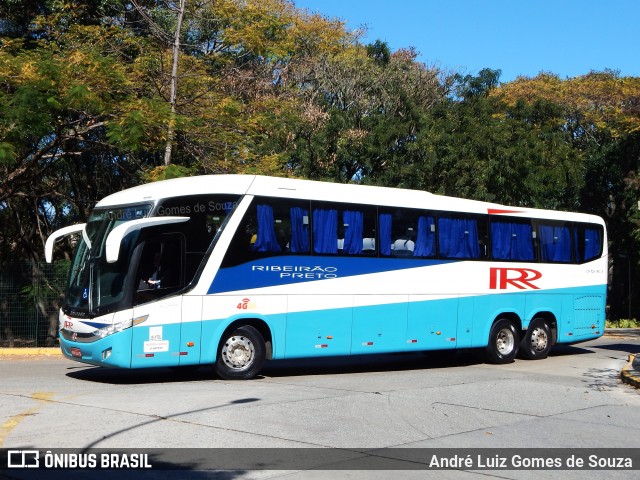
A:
600	113
60	96
475	146
358	112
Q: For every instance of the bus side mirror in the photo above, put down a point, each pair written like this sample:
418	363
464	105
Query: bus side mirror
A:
112	245
63	232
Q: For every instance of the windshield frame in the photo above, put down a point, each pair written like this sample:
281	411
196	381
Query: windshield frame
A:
208	215
87	295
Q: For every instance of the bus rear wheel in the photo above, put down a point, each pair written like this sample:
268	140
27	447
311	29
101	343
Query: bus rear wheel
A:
536	342
503	342
241	354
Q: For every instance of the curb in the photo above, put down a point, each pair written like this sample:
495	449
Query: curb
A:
630	373
30	352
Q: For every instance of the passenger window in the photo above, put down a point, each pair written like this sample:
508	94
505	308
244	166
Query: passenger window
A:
270	227
588	242
281	227
325	230
512	239
344	229
407	233
555	242
461	237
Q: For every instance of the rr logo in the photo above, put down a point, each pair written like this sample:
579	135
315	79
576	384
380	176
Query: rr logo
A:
521	278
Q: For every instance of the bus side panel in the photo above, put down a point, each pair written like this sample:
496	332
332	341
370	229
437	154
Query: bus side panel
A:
465	322
381	327
579	312
156	342
589	315
487	308
318	325
432	323
582	316
220	311
213	326
191	330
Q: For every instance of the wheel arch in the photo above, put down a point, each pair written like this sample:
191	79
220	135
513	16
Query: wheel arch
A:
483	330
511	316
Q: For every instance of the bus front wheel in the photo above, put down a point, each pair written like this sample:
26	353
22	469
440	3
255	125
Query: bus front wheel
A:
503	342
241	354
536	342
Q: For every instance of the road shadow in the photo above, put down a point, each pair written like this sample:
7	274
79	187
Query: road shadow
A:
389	362
621	347
285	368
563	350
122	376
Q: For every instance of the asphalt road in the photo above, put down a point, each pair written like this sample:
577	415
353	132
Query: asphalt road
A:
574	399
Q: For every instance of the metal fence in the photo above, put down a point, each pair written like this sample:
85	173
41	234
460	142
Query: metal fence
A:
30	297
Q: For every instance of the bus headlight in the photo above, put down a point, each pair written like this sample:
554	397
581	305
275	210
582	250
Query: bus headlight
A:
118	327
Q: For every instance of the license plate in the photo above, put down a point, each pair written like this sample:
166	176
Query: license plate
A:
76	352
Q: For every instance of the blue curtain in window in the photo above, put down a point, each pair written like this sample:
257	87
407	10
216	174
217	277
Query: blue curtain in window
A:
511	241
592	243
299	230
325	231
426	240
266	240
385	233
353	222
555	243
458	238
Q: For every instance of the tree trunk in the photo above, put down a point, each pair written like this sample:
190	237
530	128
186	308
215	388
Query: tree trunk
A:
174	86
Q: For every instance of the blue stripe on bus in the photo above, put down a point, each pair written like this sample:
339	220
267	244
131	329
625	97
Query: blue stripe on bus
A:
439	324
284	270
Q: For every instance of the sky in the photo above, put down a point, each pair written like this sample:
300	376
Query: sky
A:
518	37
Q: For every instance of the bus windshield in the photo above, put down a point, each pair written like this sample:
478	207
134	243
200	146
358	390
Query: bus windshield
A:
96	287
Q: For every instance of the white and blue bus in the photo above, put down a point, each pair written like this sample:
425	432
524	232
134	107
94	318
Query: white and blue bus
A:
231	270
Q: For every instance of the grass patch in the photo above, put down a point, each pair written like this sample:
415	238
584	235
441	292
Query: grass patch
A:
623	323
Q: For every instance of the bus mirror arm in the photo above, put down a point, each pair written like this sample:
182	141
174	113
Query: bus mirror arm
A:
114	239
63	232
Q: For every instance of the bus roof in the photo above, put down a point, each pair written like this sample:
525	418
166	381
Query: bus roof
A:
323	191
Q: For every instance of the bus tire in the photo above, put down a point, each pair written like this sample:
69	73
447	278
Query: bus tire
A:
536	343
241	354
503	342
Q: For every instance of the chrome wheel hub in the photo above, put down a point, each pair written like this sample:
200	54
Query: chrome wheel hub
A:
238	352
539	339
505	341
